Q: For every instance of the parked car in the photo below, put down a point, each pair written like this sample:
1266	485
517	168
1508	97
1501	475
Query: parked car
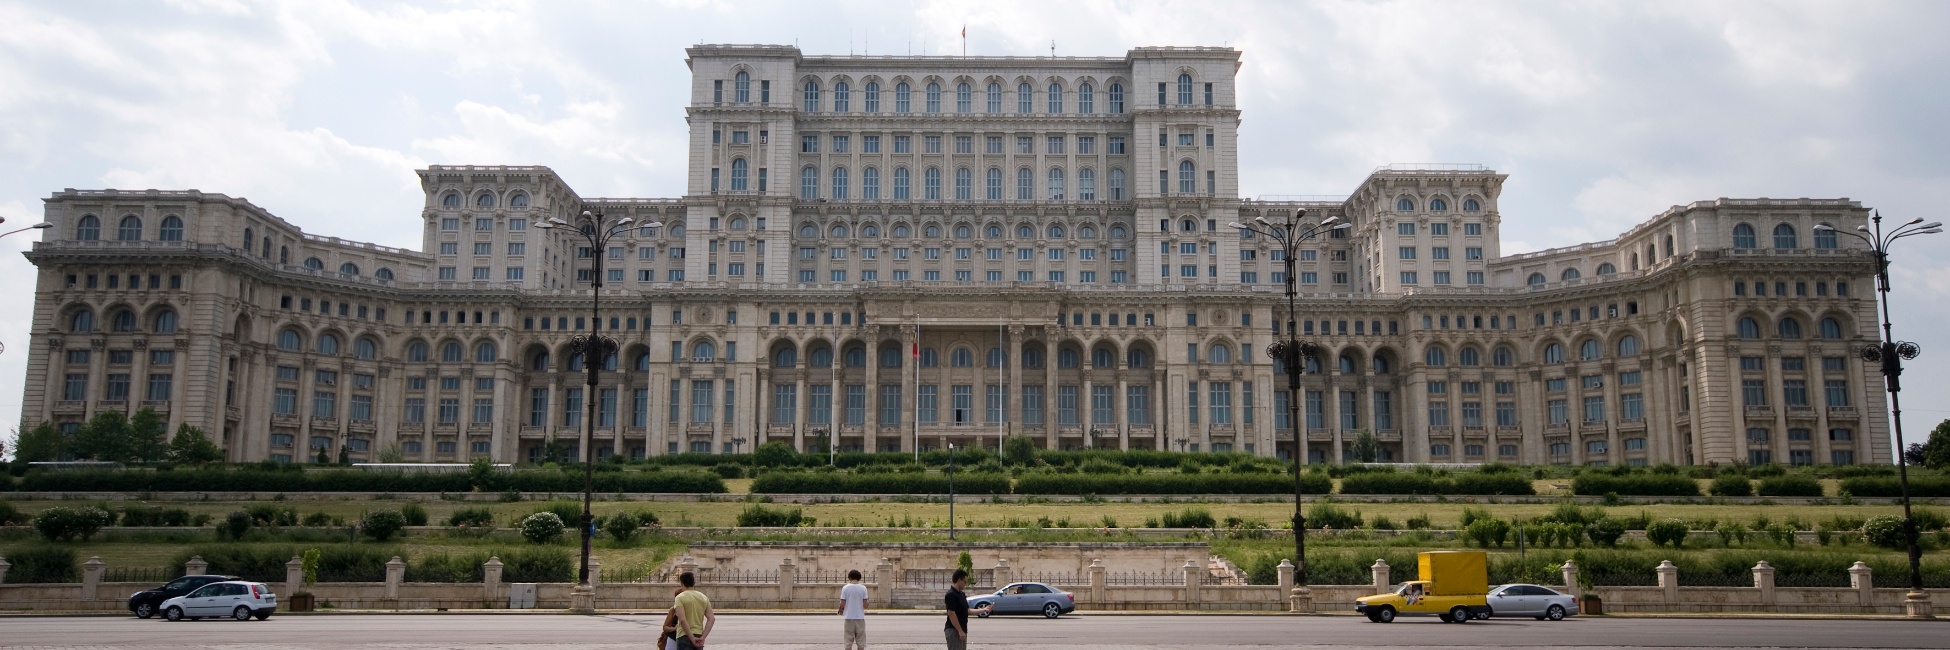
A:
1531	600
1026	598
237	599
148	602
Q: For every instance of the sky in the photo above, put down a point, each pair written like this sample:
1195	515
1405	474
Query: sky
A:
1602	113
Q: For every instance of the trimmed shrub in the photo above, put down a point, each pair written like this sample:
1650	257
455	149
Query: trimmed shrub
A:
1649	485
256	479
901	483
1790	485
1605	532
472	517
382	525
65	524
43	564
234	526
1487	531
757	515
1885	531
729	470
568	512
1732	485
1189	518
265	562
1889	486
536	565
415	514
447	568
541	528
1671	532
9	515
1471	483
621	526
1327	515
1202	483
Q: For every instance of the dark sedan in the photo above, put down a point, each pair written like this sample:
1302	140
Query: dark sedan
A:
147	602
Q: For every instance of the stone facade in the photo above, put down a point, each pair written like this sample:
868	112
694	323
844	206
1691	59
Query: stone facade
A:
897	253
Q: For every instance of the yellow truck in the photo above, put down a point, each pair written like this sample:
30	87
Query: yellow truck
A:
1454	587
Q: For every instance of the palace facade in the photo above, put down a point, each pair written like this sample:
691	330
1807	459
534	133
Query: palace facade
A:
892	253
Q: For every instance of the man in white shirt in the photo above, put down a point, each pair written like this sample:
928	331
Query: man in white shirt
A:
853	608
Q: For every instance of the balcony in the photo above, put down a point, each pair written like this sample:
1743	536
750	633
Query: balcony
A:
284	419
1508	430
1838	412
531	432
1557	427
111	405
480	427
1142	431
1801	412
71	406
1631	424
158	405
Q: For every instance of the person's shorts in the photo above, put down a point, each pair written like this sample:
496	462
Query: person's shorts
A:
856	632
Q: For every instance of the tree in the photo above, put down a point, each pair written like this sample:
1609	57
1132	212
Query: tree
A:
147	436
392	454
1366	447
104	438
1914	453
345	456
1019	450
40	444
191	447
775	454
1936	452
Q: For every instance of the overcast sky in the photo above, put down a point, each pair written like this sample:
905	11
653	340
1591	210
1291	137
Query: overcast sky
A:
1602	113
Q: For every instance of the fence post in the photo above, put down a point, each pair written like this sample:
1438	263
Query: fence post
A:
4	566
1860	576
395	573
1193	576
1380	571
1669	583
595	571
883	582
491	579
788	579
687	564
1097	580
196	567
91	577
294	575
1764	581
1285	571
1003	575
1570	572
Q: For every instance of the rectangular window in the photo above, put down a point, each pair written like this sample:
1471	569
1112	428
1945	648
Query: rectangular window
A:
994	403
1350	410
703	399
927	404
819	404
1558	411
1594	409
160	387
449	410
1753	392
785	404
1101	405
1835	392
963	405
1506	414
890	404
1032	406
1221	406
1631	407
856	404
1316	405
537	407
1137	405
1794	393
415	412
572	407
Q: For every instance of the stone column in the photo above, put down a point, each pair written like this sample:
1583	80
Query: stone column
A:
1098	578
1193	576
1860	578
595	571
883	583
4	565
1285	570
687	564
1570	571
91	577
491	579
294	575
1003	574
196	567
1669	583
1381	572
788	579
1764	581
395	573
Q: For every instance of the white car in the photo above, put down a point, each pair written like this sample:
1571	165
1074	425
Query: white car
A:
1530	600
236	599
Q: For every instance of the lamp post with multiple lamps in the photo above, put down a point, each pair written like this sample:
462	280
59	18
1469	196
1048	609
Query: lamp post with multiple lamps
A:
1890	353
595	350
1292	353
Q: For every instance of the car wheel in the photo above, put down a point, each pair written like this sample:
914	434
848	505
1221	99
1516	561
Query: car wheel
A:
1386	615
242	613
145	610
1555	613
981	611
1485	614
1374	617
1051	610
173	614
263	616
1460	614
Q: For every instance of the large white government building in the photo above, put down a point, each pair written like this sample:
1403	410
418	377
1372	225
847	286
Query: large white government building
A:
902	252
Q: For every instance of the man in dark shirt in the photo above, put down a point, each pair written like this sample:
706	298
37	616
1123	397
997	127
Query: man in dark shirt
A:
956	628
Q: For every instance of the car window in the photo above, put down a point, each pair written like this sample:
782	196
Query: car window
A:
237	590
1035	589
180	584
206	592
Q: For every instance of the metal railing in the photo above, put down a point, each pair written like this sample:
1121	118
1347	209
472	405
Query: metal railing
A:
1144	579
158	574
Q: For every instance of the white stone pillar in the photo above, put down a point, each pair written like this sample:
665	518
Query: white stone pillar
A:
1570	571
294	575
1860	578
1098	580
1669	583
1764	581
1381	571
196	566
91	577
395	574
491	579
788	579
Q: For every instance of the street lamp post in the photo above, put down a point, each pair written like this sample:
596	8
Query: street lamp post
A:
951	492
595	350
39	226
1293	353
1890	353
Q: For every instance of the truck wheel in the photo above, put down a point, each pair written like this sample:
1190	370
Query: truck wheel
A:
1555	613
1459	614
1374	617
1385	615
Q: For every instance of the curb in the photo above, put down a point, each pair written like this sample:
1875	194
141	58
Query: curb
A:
926	612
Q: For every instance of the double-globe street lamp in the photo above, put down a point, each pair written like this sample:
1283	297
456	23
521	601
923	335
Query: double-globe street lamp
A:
595	349
1293	354
1890	353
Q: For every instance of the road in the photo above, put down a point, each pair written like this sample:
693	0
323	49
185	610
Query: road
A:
892	632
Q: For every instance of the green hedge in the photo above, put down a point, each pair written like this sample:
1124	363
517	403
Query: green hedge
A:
530	564
43	565
837	483
1643	485
1889	486
265	562
259	480
1791	485
1043	483
1470	483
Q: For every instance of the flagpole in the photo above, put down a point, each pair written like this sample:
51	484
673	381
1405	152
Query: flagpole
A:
917	394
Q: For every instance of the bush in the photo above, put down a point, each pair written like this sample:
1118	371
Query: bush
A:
1472	483
43	564
757	515
1327	515
1732	485
1671	532
317	520
1885	531
446	568
9	515
65	524
730	470
1652	485
621	526
541	528
568	512
1732	532
479	516
415	514
1202	483
536	565
1487	531
257	479
1189	518
1889	486
382	525
1790	485
265	562
1471	514
901	483
234	526
1605	532
774	455
1572	513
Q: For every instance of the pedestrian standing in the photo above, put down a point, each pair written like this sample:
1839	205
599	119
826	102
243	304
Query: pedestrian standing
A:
956	629
853	611
669	639
694	614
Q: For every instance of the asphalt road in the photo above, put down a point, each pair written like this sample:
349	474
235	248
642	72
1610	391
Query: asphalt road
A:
1102	631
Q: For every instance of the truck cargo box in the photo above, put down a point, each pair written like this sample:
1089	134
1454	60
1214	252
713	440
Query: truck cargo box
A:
1455	573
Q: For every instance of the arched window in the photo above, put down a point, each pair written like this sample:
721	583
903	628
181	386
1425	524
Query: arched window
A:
451	200
961	358
1380	364
290	340
1066	358
992	186
328	344
1438	205
1137	358
822	357
247	241
1749	328
1184	89
1055	231
1025	98
121	320
1469	356
996	358
383	274
1825	239
486	352
868	230
130	230
1055	98
1831	329
934	97
365	349
1569	275
172	229
964	98
575	362
519	200
1025	232
1535	280
839	182
1187	226
1116	98
1086	231
964	184
540	361
1086	184
1220	354
450	352
1346	365
1606	268
890	357
1187	177
704	352
166	321
995	97
741	87
900	231
1117	184
642	362
1589	350
1784	238
964	231
839	231
1743	236
348	269
1628	346
1404	204
1032	357
841	97
1102	358
1435	357
931	183
1790	328
932	230
903	98
992	231
785	358
809	183
1470	205
870	183
88	228
811	102
315	264
485	200
416	351
873	97
1554	353
930	358
902	182
82	322
1056	183
856	357
1086	99
740	174
1503	357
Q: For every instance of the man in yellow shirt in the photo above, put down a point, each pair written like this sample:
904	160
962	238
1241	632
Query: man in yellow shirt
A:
694	614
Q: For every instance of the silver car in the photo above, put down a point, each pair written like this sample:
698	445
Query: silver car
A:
1530	600
1026	598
